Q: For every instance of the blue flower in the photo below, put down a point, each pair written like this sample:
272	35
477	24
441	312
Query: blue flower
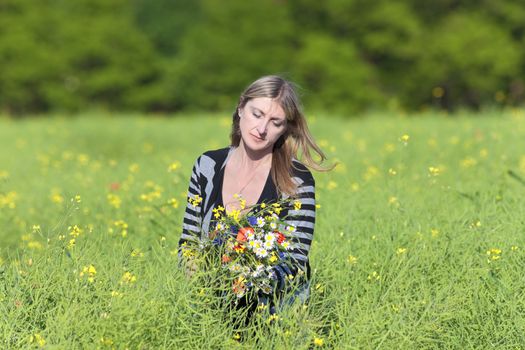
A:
218	241
281	255
234	229
252	220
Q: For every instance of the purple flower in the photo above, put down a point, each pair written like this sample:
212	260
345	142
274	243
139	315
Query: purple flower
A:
252	220
234	229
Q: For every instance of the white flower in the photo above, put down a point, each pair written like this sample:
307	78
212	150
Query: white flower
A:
286	245
270	237
260	222
261	252
273	225
268	245
290	228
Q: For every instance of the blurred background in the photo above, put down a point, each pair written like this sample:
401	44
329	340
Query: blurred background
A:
348	56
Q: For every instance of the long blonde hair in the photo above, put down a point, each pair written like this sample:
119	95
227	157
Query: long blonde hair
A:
296	138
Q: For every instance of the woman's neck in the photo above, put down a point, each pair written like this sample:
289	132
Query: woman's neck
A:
248	159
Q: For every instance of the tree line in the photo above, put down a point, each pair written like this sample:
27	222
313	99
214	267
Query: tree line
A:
179	55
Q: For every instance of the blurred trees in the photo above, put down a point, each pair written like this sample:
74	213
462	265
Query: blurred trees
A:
347	55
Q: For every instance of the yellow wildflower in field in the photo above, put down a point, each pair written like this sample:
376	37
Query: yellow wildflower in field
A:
468	162
434	232
352	260
128	278
38	340
354	186
401	251
57	198
173	202
404	138
77	198
137	253
318	342
133	168
4	175
374	276
115	293
71	244
390	147
494	254
123	226
174	166
90	271
74	231
106	341
433	171
83	159
393	201
34	245
475	224
8	200
392	172
114	200
514	248
370	173
332	185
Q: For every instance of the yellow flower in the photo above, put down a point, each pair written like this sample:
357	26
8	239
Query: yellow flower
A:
318	341
352	259
196	201
38	339
77	198
297	205
114	200
494	254
404	138
137	253
75	231
331	185
90	272
174	203
128	278
173	166
433	171
400	251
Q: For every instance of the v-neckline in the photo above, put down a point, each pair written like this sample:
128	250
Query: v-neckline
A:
223	173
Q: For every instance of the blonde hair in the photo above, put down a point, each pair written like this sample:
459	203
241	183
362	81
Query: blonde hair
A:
296	138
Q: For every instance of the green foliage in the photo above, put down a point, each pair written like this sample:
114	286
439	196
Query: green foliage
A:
468	57
162	55
418	242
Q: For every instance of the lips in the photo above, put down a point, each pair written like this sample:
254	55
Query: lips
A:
258	139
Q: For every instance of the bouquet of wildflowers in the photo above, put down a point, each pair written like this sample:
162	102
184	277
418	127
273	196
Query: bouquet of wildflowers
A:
249	244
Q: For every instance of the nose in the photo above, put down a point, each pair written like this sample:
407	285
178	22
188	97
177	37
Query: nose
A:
262	127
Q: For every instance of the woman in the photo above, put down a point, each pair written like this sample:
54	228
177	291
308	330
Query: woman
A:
261	166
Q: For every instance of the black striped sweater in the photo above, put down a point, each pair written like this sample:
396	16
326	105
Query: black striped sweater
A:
206	181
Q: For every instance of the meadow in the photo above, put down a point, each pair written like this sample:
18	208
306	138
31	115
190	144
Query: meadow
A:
419	240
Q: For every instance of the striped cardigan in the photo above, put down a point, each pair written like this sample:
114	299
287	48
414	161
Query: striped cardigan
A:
206	182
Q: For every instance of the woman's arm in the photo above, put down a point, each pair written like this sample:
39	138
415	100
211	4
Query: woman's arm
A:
192	221
303	219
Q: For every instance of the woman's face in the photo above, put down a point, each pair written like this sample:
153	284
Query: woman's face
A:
262	122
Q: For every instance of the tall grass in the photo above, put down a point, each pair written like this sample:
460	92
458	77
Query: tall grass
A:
419	241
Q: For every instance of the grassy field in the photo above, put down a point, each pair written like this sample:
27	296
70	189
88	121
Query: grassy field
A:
419	241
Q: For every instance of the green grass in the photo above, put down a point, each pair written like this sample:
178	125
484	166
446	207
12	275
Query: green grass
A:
400	254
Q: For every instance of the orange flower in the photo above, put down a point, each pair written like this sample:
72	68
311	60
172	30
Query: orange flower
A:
225	259
280	237
243	233
238	286
239	248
